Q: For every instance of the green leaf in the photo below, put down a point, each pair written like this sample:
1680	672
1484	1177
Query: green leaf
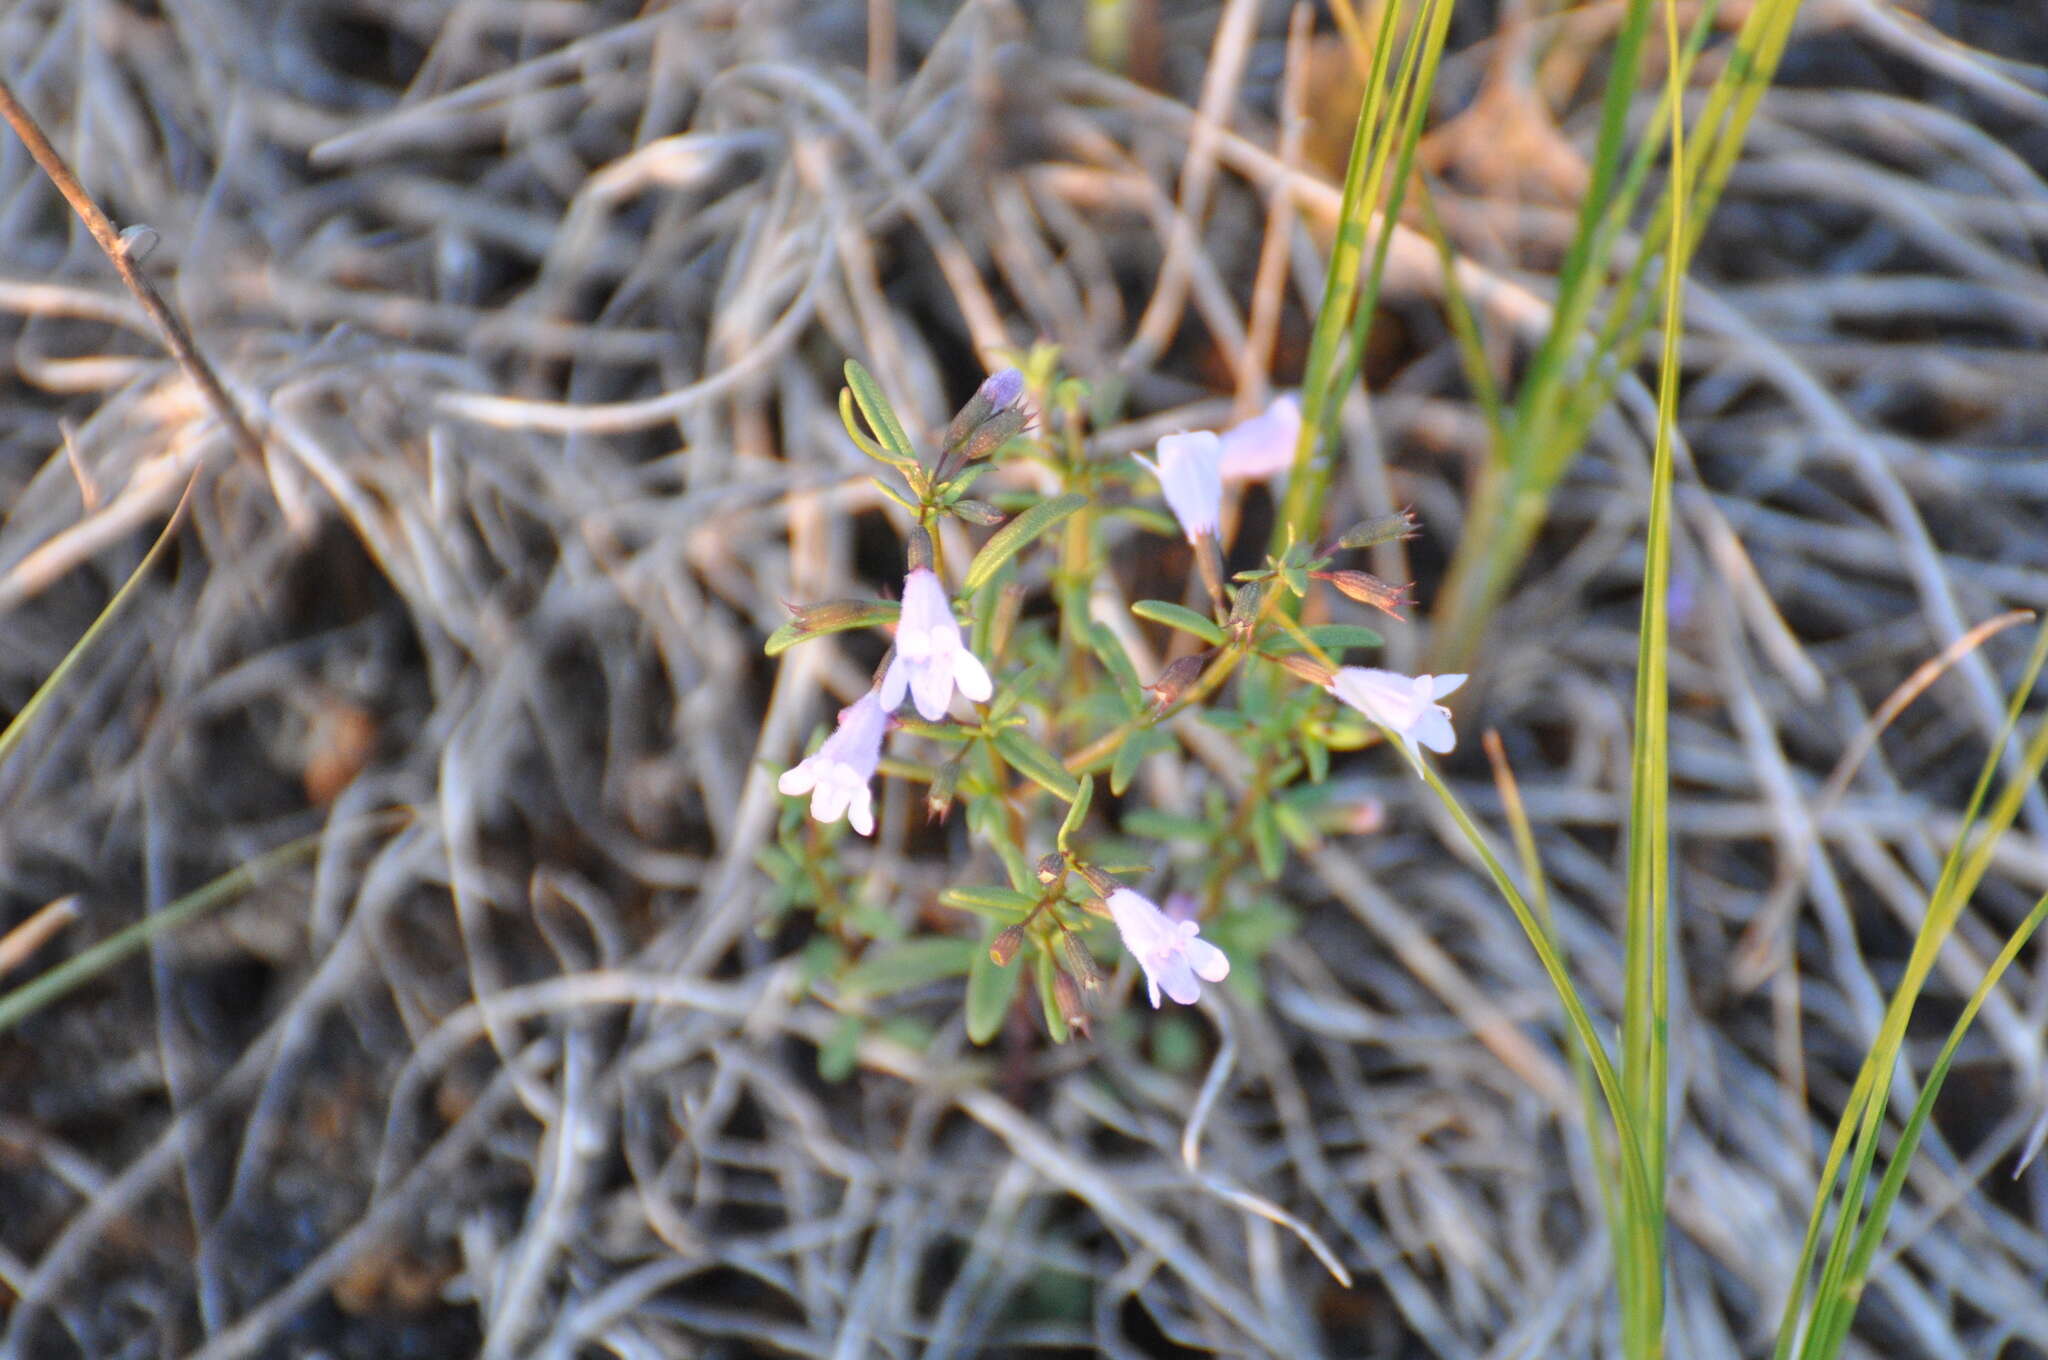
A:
1152	825
1000	904
1337	637
1077	812
1131	754
990	990
1331	637
1181	617
1145	517
861	441
1266	841
1055	1022
884	972
837	1054
881	417
1029	758
1007	541
893	494
874	615
1118	663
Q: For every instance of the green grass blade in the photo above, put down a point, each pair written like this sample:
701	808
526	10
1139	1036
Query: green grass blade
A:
1840	1310
1390	118
1627	1140
87	964
1863	1114
20	724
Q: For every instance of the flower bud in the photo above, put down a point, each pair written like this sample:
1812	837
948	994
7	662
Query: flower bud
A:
1098	880
1305	667
918	553
1000	391
1002	951
1075	958
831	615
1244	610
1367	588
938	799
977	512
1380	529
1067	996
1052	867
1176	680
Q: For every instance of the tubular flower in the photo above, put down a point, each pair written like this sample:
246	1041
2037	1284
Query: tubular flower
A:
1404	705
1263	446
1170	951
1187	473
836	775
930	656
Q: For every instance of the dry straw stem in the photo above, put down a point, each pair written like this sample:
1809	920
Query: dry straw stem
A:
123	250
581	1111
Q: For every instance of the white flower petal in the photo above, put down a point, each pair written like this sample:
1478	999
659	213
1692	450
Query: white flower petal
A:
1169	952
895	681
1177	979
798	779
1189	478
1209	962
1264	445
972	677
931	686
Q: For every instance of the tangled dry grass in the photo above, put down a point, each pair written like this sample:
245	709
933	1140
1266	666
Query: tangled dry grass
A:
539	308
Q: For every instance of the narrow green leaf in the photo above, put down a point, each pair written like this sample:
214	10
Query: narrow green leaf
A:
83	967
1331	637
1153	825
19	725
999	904
990	990
874	614
1055	1022
836	1056
1266	842
861	441
1118	663
1007	541
1077	812
884	972
1027	757
1181	617
1131	754
881	416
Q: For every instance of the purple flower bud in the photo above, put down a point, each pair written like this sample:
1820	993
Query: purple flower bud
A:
1003	388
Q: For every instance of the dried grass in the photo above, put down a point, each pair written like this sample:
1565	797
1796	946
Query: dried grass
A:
538	309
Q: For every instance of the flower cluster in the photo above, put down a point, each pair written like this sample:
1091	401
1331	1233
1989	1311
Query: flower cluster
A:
931	661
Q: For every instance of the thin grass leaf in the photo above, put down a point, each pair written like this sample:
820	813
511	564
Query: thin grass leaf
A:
75	972
1863	1113
19	726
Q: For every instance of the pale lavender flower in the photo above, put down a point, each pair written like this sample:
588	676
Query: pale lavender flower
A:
930	656
1171	952
836	775
1404	705
1264	445
1187	473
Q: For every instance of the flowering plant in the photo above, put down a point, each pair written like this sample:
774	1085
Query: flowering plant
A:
1019	719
